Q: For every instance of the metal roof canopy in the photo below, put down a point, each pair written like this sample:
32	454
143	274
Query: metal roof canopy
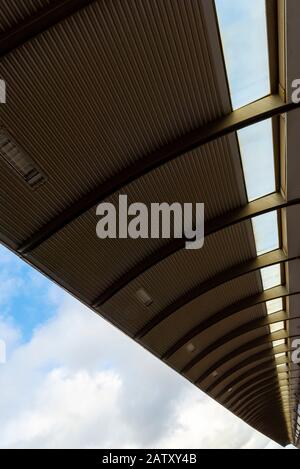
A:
184	133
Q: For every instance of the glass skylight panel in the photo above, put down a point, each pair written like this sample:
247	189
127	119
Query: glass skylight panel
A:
285	386
273	306
243	29
281	365
276	343
278	326
283	383
279	355
285	377
265	229
257	152
271	276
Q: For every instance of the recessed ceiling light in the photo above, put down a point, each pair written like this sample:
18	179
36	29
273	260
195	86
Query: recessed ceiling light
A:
19	160
190	347
144	297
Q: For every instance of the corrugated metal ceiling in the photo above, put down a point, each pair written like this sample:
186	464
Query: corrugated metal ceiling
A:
89	97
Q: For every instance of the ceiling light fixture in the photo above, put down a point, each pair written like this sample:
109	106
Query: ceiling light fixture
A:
144	297
18	159
190	347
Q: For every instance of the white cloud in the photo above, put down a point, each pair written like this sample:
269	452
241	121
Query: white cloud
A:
9	333
81	383
68	409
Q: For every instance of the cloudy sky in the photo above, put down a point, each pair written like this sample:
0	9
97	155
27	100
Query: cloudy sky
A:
73	380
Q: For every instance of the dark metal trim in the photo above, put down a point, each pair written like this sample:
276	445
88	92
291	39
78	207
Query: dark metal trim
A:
44	19
260	397
262	403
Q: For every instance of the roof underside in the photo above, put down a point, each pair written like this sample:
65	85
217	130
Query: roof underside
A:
101	98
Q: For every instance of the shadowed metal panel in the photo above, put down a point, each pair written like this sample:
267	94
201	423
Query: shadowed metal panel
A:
236	361
246	375
290	29
268	362
236	333
115	257
88	98
14	11
132	73
203	340
184	270
197	311
213	357
261	380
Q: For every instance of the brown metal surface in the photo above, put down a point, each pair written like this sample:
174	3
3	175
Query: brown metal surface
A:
42	20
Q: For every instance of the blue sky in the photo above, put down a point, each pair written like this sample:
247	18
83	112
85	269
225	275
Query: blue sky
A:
244	37
24	294
72	380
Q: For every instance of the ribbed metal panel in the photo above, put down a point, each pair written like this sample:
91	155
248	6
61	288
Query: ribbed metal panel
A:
14	11
100	260
239	373
228	347
238	359
184	319
88	98
105	260
99	91
203	340
184	270
259	379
